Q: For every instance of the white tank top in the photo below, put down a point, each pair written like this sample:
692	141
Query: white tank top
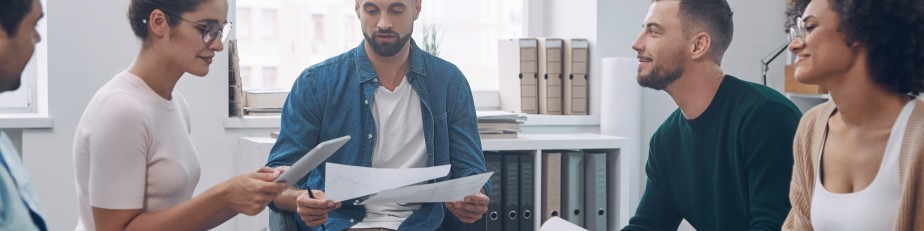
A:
872	208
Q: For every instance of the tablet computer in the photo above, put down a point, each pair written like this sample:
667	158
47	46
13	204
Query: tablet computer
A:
311	160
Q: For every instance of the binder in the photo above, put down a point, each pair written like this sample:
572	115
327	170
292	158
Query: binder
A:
551	185
519	75
595	198
572	191
493	218
550	76
511	190
527	192
575	82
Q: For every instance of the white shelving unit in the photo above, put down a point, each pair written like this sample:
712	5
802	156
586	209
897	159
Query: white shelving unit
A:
619	208
254	151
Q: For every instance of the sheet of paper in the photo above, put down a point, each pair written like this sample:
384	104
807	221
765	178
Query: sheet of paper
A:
446	191
344	182
558	224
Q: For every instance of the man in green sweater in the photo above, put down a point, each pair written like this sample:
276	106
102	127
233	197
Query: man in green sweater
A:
723	160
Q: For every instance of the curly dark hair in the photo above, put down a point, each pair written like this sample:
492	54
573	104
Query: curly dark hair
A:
892	31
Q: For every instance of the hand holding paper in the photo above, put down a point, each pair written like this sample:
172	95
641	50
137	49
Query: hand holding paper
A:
471	209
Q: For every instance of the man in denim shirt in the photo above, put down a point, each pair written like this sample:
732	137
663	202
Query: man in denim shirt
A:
19	208
403	107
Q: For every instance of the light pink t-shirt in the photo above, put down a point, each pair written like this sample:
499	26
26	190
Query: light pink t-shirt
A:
132	150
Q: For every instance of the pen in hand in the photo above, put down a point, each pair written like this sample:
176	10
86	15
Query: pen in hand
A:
311	195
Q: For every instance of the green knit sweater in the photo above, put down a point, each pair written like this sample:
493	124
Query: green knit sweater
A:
728	169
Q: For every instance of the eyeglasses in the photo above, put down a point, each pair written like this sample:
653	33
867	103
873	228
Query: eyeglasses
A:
210	30
798	31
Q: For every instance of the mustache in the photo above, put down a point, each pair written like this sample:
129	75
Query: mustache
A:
386	32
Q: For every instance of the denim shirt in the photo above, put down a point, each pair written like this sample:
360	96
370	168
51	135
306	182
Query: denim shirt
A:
19	207
332	99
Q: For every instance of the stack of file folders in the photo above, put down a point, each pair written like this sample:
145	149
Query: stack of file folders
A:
499	124
548	76
512	206
574	188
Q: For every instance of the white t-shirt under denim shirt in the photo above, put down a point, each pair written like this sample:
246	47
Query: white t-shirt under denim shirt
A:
400	144
132	150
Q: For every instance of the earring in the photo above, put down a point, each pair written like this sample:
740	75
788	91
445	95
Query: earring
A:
145	21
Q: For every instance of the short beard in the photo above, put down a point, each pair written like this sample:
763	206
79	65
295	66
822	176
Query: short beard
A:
387	49
662	75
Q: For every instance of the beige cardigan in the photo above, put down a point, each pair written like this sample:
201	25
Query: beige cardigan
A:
805	159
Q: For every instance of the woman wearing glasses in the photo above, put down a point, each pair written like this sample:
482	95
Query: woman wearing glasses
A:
136	165
859	159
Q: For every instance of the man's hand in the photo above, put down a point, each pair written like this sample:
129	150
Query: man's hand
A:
471	209
314	211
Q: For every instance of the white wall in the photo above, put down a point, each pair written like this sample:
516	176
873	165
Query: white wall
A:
88	42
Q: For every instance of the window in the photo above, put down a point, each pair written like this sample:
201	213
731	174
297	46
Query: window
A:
469	31
318	20
269	77
243	25
269	24
246	78
311	31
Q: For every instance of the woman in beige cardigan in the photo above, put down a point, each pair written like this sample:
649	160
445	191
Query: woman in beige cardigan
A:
858	161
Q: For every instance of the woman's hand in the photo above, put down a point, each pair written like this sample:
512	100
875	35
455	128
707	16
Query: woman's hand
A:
250	193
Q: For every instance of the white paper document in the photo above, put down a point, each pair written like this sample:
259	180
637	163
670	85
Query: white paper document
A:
344	182
446	191
557	224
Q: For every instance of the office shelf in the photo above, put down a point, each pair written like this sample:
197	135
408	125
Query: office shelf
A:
254	151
